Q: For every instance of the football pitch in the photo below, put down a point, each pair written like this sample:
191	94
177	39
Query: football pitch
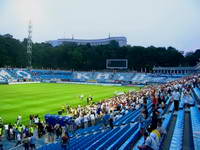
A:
44	98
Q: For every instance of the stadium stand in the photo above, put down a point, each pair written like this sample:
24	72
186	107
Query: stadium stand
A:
13	75
127	132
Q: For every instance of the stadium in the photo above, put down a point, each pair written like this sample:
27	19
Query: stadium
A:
110	109
99	93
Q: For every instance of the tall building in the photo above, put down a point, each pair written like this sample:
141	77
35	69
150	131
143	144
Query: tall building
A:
94	42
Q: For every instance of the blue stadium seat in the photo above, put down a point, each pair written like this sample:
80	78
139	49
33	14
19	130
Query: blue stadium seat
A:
104	138
128	144
177	138
85	140
88	143
122	138
197	92
165	125
195	120
112	138
171	109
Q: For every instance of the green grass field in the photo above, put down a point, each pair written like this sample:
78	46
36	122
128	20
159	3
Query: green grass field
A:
26	99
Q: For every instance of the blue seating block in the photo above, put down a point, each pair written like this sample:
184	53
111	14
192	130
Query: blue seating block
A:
177	138
195	119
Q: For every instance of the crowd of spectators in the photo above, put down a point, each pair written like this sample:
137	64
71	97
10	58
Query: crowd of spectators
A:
178	91
107	112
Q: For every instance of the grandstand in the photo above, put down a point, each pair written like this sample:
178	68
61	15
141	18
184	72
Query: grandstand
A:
110	93
182	127
125	78
182	130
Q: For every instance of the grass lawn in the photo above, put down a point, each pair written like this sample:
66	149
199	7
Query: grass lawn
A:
26	99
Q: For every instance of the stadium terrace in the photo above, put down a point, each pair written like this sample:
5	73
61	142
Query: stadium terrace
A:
155	117
125	78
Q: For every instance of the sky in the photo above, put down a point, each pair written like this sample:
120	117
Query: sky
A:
160	23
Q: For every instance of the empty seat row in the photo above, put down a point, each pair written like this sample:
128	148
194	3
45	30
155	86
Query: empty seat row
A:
122	138
167	120
165	125
132	116
52	146
197	92
84	141
88	143
106	142
195	120
104	137
135	117
177	138
118	121
89	130
171	109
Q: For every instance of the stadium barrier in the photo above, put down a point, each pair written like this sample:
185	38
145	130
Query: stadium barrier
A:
10	83
105	84
3	82
57	119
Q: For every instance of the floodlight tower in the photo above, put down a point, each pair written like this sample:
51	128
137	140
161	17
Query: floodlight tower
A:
29	45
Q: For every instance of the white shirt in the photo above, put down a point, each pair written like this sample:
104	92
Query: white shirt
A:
151	143
19	118
6	127
19	137
77	121
92	117
176	96
85	118
36	120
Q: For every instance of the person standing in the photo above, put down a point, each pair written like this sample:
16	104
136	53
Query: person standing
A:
50	131
58	131
111	122
92	117
149	143
88	100
19	139
32	142
65	141
19	119
26	143
176	98
106	118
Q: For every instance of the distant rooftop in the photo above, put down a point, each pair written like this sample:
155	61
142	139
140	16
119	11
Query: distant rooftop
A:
94	42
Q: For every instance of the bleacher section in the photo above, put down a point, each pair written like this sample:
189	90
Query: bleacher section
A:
13	75
126	134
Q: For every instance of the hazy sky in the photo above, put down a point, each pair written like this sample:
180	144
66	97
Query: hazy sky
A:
144	22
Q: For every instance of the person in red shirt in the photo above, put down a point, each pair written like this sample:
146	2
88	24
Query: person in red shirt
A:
65	141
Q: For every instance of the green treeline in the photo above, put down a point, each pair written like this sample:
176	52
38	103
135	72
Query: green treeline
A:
86	57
